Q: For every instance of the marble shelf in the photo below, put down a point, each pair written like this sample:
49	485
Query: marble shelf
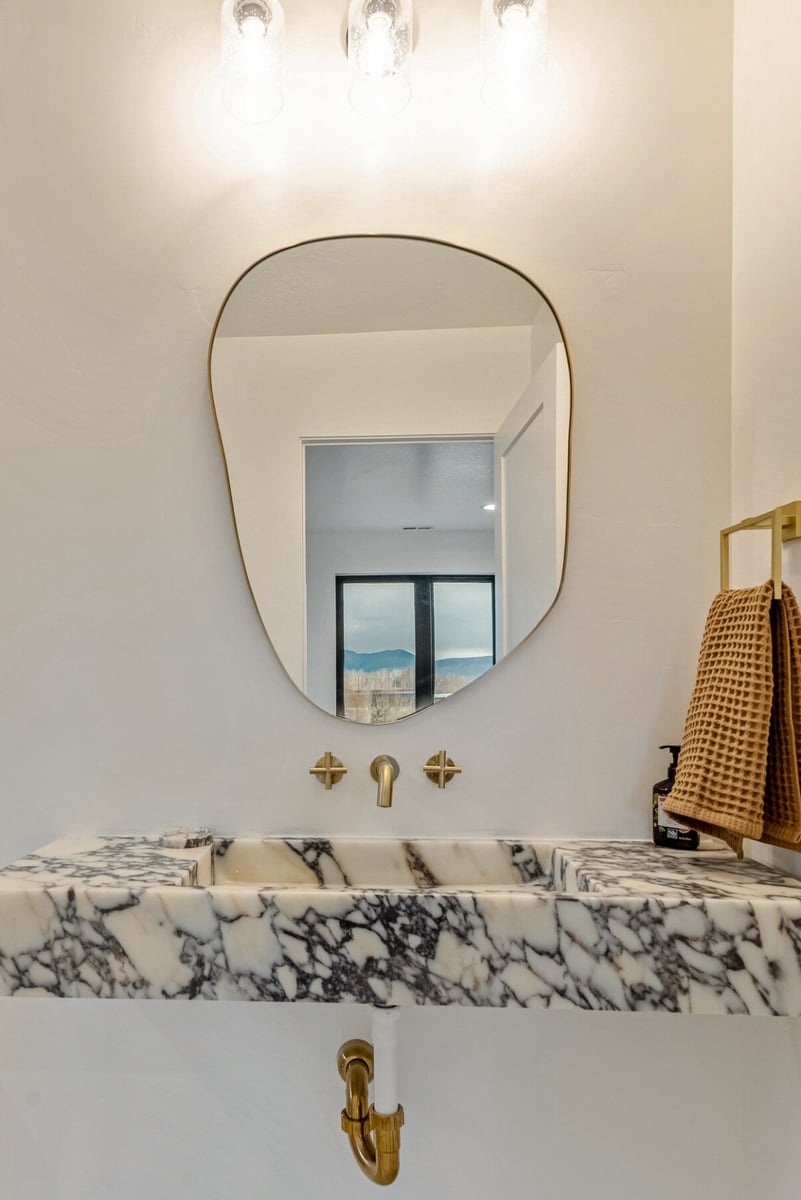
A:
603	925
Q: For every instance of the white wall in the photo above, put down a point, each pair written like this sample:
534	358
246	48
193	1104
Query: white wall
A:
766	328
138	689
766	429
531	482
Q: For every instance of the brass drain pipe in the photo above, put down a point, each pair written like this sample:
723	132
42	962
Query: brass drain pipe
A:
374	1137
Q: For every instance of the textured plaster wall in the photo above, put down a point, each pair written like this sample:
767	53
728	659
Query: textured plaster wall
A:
137	687
766	406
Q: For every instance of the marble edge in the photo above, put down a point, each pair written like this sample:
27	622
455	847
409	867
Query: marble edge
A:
239	900
138	863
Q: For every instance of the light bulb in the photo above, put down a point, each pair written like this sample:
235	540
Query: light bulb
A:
380	55
252	58
253	28
514	47
513	14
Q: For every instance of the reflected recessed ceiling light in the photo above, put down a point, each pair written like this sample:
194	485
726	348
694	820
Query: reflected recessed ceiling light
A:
488	507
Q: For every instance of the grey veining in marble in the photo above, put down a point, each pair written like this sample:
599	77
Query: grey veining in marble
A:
640	868
607	926
140	861
432	864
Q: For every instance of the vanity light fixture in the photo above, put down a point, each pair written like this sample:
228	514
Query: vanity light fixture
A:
380	34
252	37
514	47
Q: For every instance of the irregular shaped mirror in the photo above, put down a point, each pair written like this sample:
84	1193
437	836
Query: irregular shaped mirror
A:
394	415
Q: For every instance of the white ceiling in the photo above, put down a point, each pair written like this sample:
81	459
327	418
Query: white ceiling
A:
382	486
376	284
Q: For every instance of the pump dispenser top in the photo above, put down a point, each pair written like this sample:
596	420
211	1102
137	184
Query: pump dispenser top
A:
674	753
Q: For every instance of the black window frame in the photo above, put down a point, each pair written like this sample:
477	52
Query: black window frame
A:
423	628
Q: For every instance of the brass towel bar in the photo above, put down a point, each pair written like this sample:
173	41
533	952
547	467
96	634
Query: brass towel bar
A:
784	524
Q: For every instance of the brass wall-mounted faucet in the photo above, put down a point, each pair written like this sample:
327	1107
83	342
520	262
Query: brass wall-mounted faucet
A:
385	771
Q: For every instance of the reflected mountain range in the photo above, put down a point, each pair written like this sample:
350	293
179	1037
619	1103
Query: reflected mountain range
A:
403	660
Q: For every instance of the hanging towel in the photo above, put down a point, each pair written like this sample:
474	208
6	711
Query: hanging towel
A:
782	816
720	778
738	770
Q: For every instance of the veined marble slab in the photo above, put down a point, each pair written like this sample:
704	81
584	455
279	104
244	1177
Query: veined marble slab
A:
640	868
620	926
474	864
97	861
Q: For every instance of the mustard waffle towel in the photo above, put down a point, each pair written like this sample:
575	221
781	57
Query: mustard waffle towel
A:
738	773
782	818
720	779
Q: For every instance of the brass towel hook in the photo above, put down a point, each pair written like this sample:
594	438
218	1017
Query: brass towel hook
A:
784	524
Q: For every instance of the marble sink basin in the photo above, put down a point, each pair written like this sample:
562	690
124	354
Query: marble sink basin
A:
382	863
602	925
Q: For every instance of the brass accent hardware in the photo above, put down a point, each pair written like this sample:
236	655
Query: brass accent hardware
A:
785	526
329	770
385	771
374	1137
440	769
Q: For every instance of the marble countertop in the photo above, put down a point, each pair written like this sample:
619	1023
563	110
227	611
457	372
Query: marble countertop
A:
601	925
106	861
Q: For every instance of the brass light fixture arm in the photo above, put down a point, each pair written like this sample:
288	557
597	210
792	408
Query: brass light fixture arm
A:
374	1137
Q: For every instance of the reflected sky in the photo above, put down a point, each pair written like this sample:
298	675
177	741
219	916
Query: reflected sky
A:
462	620
381	617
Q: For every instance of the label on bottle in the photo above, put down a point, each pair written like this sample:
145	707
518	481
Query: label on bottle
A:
663	819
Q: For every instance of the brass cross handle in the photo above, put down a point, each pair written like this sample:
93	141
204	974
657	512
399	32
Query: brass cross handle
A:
440	769
329	770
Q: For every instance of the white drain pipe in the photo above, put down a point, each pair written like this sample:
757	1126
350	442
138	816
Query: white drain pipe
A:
386	1096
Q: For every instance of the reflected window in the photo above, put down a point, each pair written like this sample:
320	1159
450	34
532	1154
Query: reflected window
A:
406	642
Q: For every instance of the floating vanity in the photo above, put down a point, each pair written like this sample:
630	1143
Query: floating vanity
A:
618	926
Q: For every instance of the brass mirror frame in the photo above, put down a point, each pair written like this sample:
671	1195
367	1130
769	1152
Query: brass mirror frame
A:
409	237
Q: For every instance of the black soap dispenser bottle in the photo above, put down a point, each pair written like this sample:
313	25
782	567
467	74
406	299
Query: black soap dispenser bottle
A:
668	832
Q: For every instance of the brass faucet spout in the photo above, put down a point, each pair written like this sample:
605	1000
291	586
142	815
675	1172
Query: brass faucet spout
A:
385	782
385	771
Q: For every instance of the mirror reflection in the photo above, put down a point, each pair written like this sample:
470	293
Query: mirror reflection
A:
394	415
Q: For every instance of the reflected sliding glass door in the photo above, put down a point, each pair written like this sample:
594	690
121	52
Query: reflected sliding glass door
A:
405	642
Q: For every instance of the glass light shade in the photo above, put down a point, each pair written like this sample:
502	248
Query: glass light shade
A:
514	51
380	35
252	33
